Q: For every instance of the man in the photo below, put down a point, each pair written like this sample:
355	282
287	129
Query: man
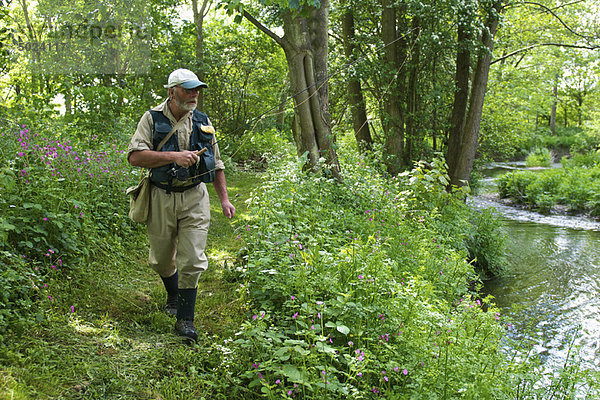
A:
179	213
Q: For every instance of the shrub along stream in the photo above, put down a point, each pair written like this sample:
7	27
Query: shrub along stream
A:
323	290
362	290
575	186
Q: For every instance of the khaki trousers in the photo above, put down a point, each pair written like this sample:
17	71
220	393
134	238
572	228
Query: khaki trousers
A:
177	230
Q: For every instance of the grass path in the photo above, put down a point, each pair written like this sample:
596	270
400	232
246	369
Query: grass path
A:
118	344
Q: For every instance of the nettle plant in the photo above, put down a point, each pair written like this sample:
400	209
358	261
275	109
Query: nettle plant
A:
355	292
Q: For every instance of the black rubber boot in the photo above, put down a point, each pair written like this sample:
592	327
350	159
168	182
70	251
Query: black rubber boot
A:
185	314
172	293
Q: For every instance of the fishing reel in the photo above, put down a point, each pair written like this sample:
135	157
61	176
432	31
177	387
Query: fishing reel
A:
180	173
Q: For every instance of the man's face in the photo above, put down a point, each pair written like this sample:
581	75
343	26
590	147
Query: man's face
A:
185	99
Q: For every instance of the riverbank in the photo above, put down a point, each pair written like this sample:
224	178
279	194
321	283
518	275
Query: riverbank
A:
556	209
355	289
361	289
572	188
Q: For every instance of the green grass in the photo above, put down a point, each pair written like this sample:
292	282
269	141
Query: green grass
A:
118	344
218	302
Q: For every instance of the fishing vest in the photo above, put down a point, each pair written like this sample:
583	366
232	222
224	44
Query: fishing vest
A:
203	170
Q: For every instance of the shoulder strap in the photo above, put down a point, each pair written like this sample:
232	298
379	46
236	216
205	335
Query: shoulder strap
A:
177	125
162	142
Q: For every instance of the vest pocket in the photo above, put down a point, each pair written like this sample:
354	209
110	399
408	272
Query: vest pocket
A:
161	130
204	170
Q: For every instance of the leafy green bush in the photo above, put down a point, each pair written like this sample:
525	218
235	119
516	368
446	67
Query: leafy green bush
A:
593	204
21	285
574	186
539	157
588	159
514	184
536	189
61	203
566	140
356	291
486	244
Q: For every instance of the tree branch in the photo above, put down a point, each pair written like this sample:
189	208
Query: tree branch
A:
569	4
533	46
205	8
545	8
264	29
32	35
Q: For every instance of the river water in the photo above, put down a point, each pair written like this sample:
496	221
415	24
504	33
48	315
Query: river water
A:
550	294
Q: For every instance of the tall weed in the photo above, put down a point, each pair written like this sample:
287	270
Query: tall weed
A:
356	291
61	203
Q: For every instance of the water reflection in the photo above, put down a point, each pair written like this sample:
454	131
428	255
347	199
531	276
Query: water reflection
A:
552	287
551	291
516	214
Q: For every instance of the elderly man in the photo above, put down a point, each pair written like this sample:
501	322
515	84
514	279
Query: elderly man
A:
177	142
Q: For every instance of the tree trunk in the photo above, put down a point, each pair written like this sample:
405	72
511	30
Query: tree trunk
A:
461	95
553	108
318	23
356	101
468	147
199	15
393	77
305	45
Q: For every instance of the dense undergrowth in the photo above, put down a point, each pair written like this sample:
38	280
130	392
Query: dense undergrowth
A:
362	290
355	289
575	186
61	205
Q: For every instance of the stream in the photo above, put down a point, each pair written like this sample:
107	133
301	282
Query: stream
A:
550	293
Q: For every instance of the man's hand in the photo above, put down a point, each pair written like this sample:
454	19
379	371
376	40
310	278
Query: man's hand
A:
185	158
228	209
221	188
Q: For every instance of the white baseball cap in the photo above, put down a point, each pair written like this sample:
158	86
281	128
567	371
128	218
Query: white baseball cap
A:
186	78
